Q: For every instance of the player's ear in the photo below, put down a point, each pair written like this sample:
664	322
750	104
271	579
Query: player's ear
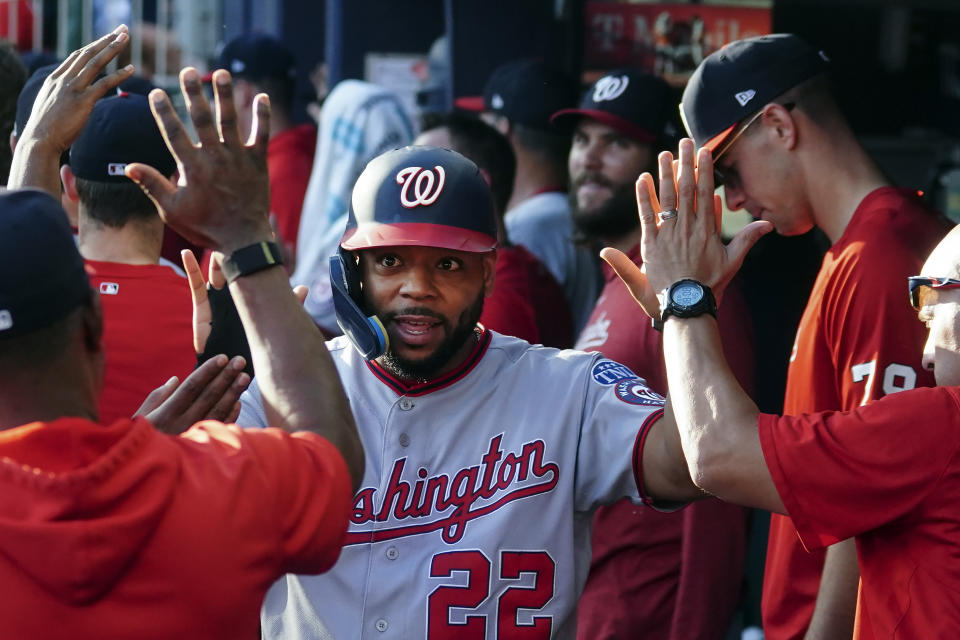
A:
500	123
489	266
69	183
782	122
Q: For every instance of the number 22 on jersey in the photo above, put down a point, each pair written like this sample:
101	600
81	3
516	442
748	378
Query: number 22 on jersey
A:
477	568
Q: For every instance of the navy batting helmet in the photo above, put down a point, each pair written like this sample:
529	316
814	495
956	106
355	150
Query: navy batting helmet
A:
421	196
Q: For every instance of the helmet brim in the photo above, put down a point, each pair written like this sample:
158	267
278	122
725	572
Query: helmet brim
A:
417	234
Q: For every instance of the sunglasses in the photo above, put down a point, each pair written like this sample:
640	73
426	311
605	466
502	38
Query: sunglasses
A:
916	286
729	174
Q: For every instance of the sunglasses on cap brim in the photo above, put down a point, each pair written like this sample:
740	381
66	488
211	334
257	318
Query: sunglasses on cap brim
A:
916	286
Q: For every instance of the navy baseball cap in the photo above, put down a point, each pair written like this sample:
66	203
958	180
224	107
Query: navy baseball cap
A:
736	81
637	104
121	130
256	56
526	92
28	95
421	196
42	276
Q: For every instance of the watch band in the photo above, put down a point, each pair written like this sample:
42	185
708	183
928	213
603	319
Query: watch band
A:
250	259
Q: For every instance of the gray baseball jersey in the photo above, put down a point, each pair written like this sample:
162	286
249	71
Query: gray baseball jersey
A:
473	520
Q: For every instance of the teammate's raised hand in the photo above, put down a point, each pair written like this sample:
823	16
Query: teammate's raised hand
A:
223	196
62	107
687	244
211	392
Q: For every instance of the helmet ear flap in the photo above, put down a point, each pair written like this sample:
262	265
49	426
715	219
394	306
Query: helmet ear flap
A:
351	275
367	333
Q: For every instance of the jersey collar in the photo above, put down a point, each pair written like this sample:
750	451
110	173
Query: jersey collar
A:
404	388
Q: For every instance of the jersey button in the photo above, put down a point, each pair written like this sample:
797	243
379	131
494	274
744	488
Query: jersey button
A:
392	553
406	404
404	440
381	625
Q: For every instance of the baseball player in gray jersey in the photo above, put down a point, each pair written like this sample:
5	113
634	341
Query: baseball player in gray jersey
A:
485	456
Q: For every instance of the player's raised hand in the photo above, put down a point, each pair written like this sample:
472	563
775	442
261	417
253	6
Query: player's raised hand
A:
223	195
203	312
688	244
62	107
211	392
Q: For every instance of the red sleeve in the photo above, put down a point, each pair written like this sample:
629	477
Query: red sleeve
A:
841	474
306	490
873	333
290	163
664	506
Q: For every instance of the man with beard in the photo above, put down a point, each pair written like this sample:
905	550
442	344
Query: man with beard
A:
674	575
486	456
518	100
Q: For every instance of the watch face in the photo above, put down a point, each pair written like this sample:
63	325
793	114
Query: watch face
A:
687	294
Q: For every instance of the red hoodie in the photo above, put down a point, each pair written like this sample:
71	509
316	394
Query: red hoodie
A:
122	532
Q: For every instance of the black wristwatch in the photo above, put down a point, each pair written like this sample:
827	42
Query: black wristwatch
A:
250	259
686	299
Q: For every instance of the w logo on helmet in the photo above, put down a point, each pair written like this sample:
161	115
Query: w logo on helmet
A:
423	182
610	88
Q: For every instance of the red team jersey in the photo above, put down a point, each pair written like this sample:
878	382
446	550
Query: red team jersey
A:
147	332
675	575
891	481
290	161
858	340
527	302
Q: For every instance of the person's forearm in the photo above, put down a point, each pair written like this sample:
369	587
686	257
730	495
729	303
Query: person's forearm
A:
666	475
836	606
298	381
35	165
715	416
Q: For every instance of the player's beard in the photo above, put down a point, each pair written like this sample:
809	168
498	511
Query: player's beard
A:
617	216
424	369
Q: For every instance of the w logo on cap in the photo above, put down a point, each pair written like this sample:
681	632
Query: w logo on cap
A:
423	182
610	88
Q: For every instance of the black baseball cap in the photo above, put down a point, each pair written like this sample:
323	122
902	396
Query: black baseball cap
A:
121	130
736	81
42	276
637	104
256	56
525	91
